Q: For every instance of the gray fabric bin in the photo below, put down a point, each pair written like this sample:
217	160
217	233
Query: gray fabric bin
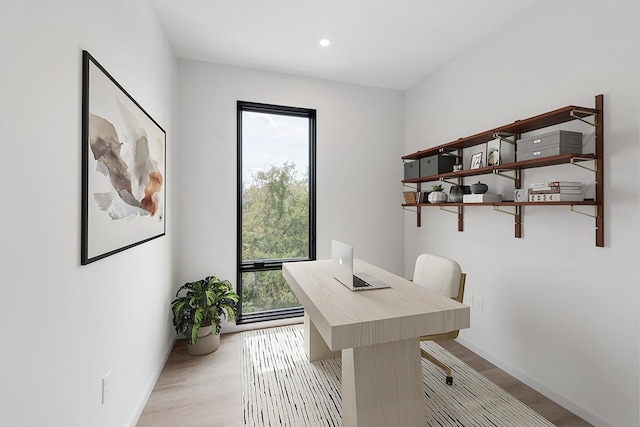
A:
434	165
412	169
549	144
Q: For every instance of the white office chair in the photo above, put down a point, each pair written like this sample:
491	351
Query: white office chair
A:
445	276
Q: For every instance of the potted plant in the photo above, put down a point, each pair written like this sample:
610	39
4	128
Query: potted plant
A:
198	311
437	195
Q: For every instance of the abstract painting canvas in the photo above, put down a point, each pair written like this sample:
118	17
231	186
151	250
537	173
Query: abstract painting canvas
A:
123	168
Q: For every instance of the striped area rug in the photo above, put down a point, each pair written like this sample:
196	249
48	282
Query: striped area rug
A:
280	387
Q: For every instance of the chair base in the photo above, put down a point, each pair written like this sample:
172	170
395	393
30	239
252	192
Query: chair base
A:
430	358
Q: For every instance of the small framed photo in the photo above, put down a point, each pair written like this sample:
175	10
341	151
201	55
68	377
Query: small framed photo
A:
493	152
476	161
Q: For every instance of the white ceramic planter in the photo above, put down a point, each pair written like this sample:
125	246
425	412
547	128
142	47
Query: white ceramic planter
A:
437	197
207	342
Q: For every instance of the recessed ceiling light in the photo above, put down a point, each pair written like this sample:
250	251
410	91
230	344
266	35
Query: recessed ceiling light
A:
325	42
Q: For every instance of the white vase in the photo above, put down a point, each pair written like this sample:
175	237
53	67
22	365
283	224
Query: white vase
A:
437	197
207	342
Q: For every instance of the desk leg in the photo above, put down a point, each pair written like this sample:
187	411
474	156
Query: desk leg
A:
314	345
382	385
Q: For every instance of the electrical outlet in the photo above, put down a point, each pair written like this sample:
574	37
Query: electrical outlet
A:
468	299
106	387
478	302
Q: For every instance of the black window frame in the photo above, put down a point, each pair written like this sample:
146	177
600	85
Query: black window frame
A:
273	264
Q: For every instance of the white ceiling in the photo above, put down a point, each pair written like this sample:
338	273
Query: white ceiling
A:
383	43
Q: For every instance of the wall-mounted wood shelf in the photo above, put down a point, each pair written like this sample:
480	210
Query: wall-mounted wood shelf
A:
505	203
592	116
527	164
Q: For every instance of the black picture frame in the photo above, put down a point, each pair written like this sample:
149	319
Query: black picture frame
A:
123	168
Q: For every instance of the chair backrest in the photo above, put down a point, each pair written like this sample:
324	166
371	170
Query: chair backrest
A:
440	274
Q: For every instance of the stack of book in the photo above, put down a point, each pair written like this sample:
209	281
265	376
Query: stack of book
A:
412	197
481	198
556	191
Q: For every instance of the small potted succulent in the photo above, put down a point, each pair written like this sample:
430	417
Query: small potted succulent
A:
437	195
197	313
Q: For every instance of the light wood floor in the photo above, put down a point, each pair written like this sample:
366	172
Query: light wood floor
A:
205	391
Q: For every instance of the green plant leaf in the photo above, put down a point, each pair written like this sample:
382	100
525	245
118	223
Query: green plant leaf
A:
211	297
194	334
198	316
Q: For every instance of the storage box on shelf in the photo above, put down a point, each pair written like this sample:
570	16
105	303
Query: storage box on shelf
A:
549	144
436	164
412	170
555	148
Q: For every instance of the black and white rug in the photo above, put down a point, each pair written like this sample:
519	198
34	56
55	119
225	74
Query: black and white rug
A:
280	387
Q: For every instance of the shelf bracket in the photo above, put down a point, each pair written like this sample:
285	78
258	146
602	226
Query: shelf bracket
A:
497	209
409	209
573	162
595	211
497	172
442	208
448	182
449	153
504	136
574	114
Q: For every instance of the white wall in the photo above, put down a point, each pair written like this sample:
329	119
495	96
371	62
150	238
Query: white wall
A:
559	313
65	325
359	134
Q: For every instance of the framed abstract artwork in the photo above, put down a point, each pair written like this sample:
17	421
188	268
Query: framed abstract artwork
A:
476	161
123	168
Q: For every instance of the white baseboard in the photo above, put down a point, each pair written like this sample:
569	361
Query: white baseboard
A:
558	398
142	402
229	327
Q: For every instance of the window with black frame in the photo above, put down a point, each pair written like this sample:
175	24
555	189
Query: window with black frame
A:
276	205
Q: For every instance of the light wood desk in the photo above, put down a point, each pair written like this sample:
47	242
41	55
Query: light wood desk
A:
377	332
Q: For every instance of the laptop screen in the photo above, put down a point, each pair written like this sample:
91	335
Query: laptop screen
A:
342	262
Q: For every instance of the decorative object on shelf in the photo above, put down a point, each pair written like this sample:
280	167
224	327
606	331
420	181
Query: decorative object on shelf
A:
479	188
437	195
521	195
457	191
197	313
476	161
457	167
493	152
123	168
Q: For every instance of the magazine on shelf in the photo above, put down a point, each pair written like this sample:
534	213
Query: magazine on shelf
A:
556	184
556	190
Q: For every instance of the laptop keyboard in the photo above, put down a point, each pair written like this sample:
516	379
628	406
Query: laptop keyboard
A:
359	283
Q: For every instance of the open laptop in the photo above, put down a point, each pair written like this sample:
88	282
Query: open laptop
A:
342	269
